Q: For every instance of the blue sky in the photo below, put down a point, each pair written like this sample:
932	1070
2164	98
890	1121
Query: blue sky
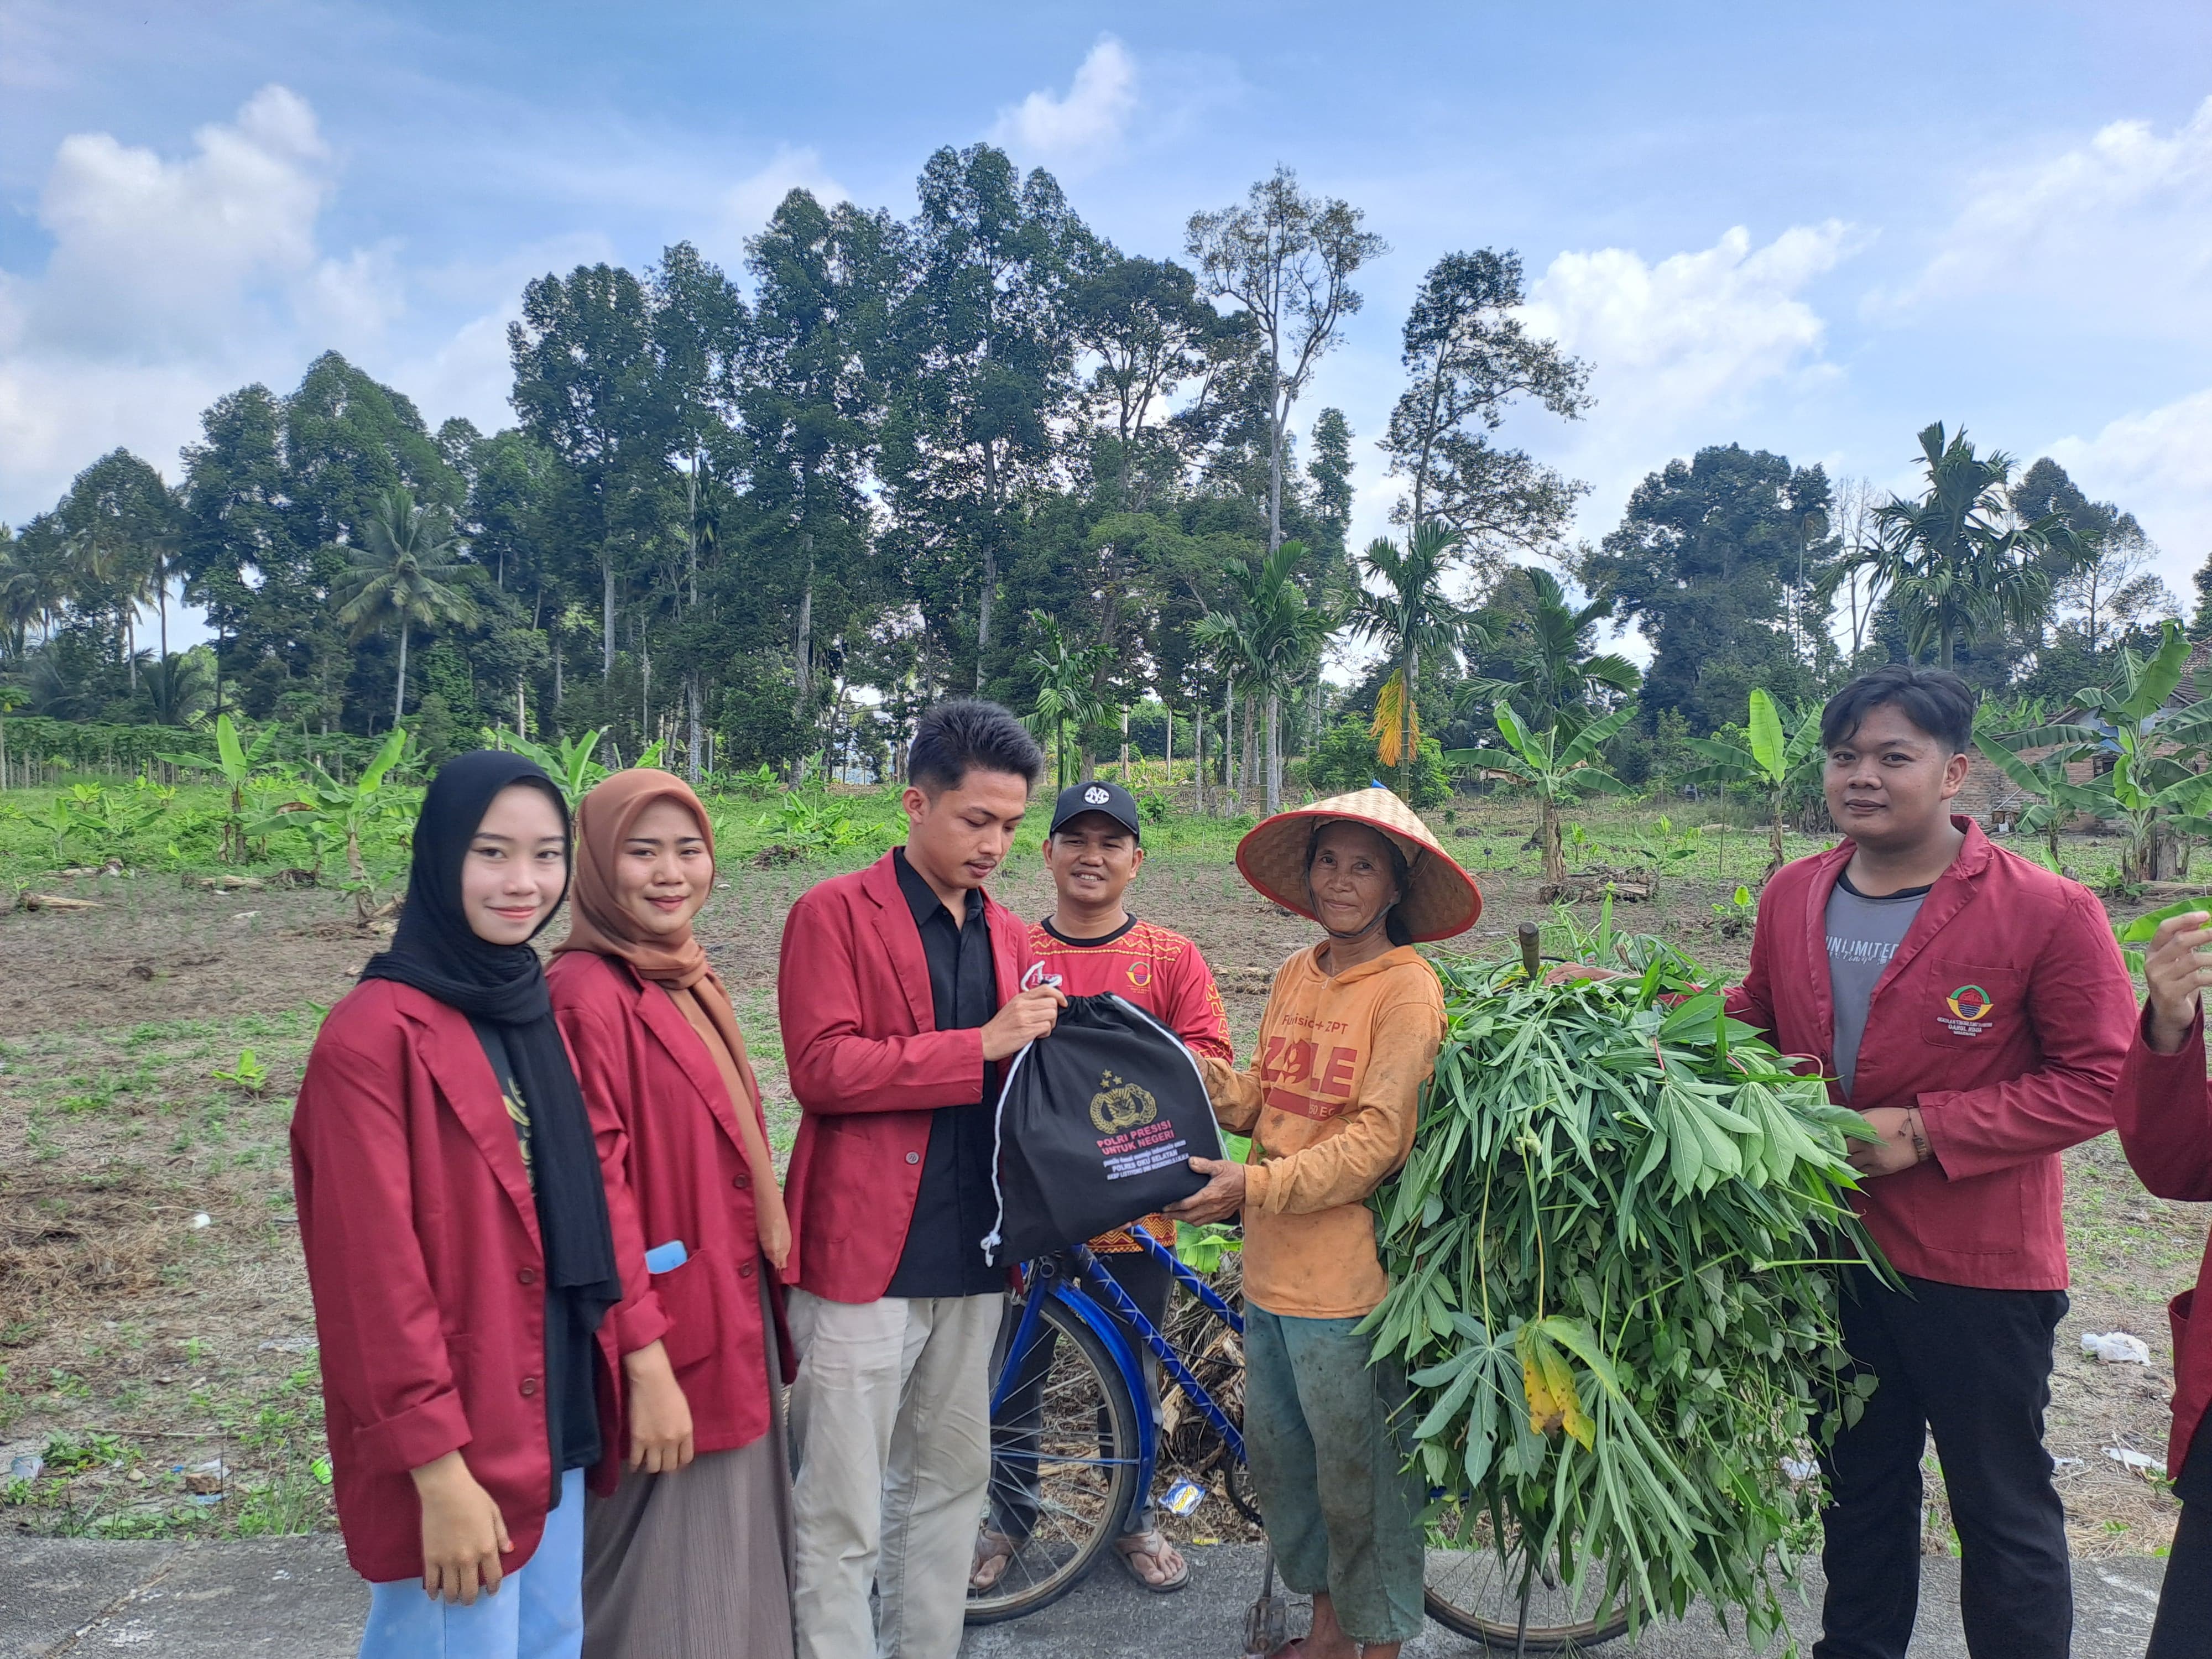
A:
1811	230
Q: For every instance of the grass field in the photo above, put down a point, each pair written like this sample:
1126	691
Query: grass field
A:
157	1342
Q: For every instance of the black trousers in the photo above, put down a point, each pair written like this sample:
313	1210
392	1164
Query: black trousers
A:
1149	1283
2184	1629
1974	1366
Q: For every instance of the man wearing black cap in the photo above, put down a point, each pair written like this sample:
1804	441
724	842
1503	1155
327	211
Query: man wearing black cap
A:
1094	850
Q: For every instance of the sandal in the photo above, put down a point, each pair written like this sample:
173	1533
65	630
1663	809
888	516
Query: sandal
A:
994	1554
1154	1548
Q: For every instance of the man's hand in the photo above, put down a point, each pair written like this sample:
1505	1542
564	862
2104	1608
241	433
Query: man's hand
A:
464	1533
1903	1143
1567	973
2177	969
659	1416
1222	1196
1029	1014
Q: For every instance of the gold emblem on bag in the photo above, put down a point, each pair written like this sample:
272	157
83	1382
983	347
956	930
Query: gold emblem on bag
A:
1118	1105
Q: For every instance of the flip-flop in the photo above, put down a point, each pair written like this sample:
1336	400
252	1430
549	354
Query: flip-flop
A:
995	1551
1150	1544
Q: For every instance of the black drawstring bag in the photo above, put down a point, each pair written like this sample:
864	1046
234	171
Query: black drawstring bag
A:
1096	1127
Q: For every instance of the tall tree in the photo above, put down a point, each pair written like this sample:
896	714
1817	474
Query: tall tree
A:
811	404
1701	563
983	375
1469	357
121	521
588	386
1288	259
407	572
1411	617
1330	471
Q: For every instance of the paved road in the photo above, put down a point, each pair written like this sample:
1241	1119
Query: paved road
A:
296	1598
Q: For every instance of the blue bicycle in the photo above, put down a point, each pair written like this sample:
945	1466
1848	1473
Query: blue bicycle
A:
1076	1442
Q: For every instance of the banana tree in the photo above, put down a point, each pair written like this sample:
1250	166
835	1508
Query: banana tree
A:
235	763
341	814
1772	759
1558	767
2057	797
573	762
2157	786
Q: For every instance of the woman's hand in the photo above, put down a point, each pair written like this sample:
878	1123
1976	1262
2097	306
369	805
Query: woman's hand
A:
659	1416
1221	1197
2177	969
463	1534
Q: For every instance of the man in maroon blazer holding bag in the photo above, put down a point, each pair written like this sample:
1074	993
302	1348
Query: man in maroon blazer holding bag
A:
900	997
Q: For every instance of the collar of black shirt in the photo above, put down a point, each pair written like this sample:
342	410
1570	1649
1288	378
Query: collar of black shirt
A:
921	898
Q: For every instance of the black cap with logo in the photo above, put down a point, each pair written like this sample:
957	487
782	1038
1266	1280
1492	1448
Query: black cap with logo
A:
1097	796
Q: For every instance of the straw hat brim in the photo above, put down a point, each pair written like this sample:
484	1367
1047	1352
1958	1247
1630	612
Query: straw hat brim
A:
1441	898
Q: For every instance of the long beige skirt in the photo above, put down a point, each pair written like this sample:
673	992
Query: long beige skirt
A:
695	1564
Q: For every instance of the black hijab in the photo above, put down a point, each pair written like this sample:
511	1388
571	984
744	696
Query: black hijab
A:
502	990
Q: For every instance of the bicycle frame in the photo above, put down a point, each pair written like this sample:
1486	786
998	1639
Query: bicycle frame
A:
1090	1307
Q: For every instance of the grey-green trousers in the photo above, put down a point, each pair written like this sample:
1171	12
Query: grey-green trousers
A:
1323	1435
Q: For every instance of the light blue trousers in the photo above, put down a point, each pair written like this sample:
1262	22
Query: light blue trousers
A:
538	1613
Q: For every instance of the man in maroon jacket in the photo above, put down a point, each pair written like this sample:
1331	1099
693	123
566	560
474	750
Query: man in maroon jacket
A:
899	995
1974	1008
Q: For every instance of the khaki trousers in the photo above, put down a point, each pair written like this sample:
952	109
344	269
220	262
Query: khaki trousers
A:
890	1422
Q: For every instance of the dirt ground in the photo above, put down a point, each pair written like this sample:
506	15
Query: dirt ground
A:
156	1342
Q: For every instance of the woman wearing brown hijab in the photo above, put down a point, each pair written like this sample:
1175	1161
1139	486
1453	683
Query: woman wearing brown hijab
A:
690	1562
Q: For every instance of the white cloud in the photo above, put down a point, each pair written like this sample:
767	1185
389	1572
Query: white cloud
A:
2158	464
172	280
1084	125
1676	347
2126	217
1696	330
748	205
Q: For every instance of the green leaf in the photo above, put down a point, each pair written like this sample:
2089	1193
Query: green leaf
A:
1767	743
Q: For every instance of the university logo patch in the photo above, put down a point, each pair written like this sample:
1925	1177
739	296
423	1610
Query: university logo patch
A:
1971	1010
1141	974
1969	1002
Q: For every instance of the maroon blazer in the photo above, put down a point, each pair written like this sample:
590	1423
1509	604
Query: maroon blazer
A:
638	1058
2004	1016
2163	1110
868	1066
428	1274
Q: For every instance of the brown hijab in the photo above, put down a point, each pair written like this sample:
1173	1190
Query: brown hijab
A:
677	963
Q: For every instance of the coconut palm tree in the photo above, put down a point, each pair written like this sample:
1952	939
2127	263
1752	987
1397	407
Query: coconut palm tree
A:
1411	617
1268	639
405	571
1957	562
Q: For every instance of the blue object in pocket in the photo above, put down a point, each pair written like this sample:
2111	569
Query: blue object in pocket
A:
667	1258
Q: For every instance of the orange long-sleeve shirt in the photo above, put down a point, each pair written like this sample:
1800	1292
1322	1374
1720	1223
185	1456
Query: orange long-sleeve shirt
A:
1330	1100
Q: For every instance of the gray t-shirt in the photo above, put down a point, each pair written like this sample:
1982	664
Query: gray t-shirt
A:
1863	934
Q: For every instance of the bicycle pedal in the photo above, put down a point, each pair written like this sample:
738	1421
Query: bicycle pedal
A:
1267	1626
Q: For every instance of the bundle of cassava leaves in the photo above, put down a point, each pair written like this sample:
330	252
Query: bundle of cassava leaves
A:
1614	1255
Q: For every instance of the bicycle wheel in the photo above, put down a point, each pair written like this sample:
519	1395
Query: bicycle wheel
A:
1474	1588
1063	1469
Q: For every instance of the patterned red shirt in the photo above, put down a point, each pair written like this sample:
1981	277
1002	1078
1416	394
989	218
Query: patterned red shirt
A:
1163	973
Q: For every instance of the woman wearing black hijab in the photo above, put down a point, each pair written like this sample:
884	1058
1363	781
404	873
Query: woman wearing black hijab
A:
475	1259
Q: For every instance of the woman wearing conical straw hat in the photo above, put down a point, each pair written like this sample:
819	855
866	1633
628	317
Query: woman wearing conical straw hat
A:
1350	1034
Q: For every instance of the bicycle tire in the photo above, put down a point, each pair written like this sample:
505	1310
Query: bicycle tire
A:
1476	1592
1089	1495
